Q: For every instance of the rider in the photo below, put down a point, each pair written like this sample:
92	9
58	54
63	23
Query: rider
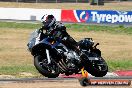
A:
50	24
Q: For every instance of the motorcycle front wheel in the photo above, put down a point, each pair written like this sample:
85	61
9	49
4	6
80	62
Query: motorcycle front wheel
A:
48	70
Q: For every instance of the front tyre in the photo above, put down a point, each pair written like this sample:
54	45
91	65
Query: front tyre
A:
48	70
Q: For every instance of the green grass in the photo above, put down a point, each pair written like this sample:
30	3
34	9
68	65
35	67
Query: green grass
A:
74	27
13	70
119	64
114	29
17	70
19	25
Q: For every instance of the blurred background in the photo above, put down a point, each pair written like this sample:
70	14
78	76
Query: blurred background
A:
61	1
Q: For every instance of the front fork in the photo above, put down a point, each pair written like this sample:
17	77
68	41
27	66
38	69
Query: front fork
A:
48	56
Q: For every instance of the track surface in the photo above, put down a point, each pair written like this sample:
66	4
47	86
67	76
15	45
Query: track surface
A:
49	83
61	82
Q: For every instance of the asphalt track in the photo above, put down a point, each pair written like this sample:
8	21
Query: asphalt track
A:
55	83
63	81
59	79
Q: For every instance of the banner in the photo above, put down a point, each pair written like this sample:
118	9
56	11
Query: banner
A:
97	16
81	16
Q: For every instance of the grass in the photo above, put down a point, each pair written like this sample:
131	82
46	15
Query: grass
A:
14	70
115	44
110	29
19	25
74	27
119	64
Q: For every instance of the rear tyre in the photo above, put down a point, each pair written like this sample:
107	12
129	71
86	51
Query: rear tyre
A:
97	68
48	70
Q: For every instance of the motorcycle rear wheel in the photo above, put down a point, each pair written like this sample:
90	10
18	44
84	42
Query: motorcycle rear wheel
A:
95	69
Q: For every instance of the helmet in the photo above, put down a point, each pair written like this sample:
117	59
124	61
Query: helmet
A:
49	21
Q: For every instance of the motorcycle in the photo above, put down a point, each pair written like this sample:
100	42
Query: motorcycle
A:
52	57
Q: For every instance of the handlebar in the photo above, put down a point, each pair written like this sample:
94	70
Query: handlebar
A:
96	45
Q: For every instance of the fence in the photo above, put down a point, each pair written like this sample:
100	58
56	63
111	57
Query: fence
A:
48	1
56	1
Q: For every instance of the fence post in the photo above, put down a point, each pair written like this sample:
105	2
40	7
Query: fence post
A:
17	1
76	1
36	1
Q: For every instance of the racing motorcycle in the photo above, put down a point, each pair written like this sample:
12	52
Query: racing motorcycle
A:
52	57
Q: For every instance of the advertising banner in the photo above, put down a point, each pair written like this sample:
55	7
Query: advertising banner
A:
97	16
76	16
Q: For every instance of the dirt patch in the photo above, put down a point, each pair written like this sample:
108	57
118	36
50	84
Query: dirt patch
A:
6	77
26	74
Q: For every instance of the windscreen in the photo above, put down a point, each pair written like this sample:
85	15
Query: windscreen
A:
32	39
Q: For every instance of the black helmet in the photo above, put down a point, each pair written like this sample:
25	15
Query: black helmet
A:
49	21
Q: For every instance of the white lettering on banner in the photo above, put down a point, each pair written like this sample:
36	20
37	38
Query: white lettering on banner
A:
108	18
121	17
99	18
103	18
111	18
114	18
128	18
94	16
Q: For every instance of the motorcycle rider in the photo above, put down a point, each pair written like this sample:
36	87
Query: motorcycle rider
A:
50	24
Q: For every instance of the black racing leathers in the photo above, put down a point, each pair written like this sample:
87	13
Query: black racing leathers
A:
65	37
